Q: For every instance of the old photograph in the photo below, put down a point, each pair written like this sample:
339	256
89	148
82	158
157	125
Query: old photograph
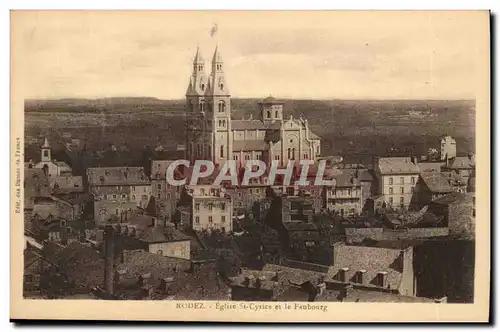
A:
252	162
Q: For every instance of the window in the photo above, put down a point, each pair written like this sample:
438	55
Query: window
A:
293	153
45	153
202	191
247	157
133	188
159	252
257	190
197	219
348	192
391	200
197	207
210	219
133	197
402	200
222	151
412	190
158	186
289	153
277	157
235	157
117	212
268	114
114	196
390	191
210	207
223	206
222	107
240	204
390	181
403	190
250	191
412	180
239	195
258	156
306	156
223	219
124	196
401	180
276	114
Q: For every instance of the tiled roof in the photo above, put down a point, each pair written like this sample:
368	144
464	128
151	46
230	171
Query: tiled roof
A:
348	178
63	167
361	295
270	100
160	234
397	165
253	125
66	183
371	259
431	166
454	198
299	226
294	275
366	175
461	163
250	145
117	176
436	182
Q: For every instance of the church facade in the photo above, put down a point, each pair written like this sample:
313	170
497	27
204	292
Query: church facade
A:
211	133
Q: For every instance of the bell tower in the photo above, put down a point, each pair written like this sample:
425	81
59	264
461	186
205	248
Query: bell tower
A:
45	151
218	100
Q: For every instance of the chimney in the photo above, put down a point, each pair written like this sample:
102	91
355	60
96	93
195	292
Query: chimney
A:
109	259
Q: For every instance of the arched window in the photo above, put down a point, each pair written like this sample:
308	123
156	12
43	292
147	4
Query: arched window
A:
222	86
268	114
203	86
222	107
289	153
222	151
202	106
276	114
46	153
293	153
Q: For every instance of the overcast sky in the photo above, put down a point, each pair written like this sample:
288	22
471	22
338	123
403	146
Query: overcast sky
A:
328	55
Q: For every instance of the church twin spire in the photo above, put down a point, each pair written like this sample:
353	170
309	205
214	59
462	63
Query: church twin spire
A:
215	84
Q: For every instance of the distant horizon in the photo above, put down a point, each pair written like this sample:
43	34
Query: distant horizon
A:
256	98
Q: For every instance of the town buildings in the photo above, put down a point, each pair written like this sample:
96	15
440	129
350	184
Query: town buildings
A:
211	208
117	191
346	196
212	134
396	178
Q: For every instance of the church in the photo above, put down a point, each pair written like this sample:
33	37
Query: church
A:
211	133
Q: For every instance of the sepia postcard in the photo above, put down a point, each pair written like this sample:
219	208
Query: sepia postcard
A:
250	166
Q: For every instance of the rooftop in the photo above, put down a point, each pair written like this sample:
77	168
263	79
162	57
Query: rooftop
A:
371	259
454	198
102	176
249	145
397	165
436	182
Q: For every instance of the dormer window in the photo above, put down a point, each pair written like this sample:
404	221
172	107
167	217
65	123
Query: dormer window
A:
342	275
382	279
360	276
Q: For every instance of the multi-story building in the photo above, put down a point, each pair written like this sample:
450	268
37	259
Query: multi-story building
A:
117	191
166	195
459	169
396	179
345	198
213	135
211	208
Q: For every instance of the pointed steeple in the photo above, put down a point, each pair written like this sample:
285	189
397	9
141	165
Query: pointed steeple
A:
217	58
46	144
217	82
198	58
197	82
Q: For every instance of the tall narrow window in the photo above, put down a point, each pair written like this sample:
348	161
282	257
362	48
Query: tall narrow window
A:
276	114
293	153
222	151
222	107
268	114
289	153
